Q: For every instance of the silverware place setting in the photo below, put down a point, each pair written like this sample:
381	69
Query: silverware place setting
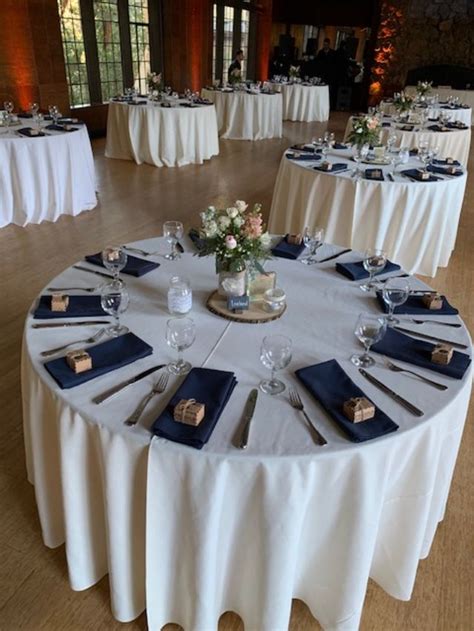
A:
456	325
88	340
297	404
158	388
56	325
100	398
89	290
433	338
391	393
394	368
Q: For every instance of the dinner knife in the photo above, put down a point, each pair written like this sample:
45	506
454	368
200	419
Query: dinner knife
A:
431	337
391	393
51	325
334	256
93	271
111	391
248	414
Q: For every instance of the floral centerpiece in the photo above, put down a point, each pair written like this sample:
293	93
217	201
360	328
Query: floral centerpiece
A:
236	237
235	76
402	102
423	88
154	81
294	72
365	131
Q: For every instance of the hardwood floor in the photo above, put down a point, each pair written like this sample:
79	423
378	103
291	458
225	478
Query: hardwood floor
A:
134	201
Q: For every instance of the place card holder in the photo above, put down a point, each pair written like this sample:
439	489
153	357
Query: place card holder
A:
238	304
189	411
433	301
358	409
59	302
442	354
79	360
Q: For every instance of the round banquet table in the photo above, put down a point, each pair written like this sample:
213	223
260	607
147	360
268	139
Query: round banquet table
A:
307	103
465	96
161	136
454	143
190	534
455	113
45	177
414	222
245	116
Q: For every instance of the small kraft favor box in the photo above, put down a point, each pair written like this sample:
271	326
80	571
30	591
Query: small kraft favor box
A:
189	411
59	302
79	360
358	409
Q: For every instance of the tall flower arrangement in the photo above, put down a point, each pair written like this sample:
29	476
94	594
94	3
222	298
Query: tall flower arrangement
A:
154	80
294	72
365	130
402	102
235	76
423	88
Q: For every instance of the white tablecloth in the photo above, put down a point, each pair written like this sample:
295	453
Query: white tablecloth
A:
465	96
243	116
433	111
44	178
306	103
161	136
415	222
454	143
220	528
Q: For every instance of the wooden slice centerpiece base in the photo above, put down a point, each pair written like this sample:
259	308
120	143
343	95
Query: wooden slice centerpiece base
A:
256	314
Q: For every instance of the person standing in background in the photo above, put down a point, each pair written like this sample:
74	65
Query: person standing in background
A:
235	68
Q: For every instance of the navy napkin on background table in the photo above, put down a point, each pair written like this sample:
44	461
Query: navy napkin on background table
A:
134	267
53	127
370	175
457	125
415	174
78	307
106	357
438	128
26	131
339	145
137	102
211	387
417	352
414	306
356	271
287	250
435	169
303	148
386	124
25	115
454	163
307	157
331	386
337	166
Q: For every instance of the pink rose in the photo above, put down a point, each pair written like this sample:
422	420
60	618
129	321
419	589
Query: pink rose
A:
230	242
253	226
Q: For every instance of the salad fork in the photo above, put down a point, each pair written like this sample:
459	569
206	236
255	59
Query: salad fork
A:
140	251
88	340
159	388
395	368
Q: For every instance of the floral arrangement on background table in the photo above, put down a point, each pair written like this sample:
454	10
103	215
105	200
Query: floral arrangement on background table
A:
294	72
423	88
365	131
402	102
235	76
154	80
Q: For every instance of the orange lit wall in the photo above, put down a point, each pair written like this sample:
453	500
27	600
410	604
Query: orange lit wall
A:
391	23
264	37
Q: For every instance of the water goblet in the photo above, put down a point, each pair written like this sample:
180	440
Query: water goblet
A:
395	292
173	231
180	335
38	118
391	140
114	259
370	328
360	152
312	239
374	262
8	106
34	108
404	155
275	354
114	299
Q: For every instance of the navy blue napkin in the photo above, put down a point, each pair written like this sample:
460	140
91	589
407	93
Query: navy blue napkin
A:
287	250
67	121
137	102
407	127
450	107
211	387
405	348
456	125
414	306
26	131
415	175
434	120
413	152
339	145
386	124
454	163
307	157
134	266
435	169
374	174
303	148
356	271
188	105
438	128
331	386
53	127
106	357
25	115
78	307
337	166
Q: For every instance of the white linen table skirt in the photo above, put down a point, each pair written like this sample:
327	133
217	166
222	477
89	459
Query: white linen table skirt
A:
464	115
161	136
414	222
189	534
243	116
307	103
44	178
465	96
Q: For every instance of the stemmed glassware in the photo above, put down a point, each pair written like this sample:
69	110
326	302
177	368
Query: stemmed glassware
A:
180	335
34	109
359	153
54	113
8	105
370	328
114	299
395	292
173	231
275	354
114	259
312	239
374	262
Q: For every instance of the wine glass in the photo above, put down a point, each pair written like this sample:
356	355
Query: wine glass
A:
114	299
54	113
8	106
374	262
404	155
34	108
275	354
391	141
370	328
313	239
173	231
114	259
180	335
395	293
360	152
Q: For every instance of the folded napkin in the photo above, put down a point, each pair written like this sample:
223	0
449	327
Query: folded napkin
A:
306	148
25	115
407	127
188	105
198	242
67	121
356	271
386	124
413	152
60	128
203	102
78	307
339	145
374	174
405	348
414	306
134	266
454	163
287	250
137	102
434	120
456	125
307	157
415	175
211	387
331	386
106	357
26	131
337	166
452	107
438	128
442	170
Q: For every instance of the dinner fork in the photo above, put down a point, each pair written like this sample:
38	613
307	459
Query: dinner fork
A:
88	340
295	402
456	325
395	368
139	251
159	388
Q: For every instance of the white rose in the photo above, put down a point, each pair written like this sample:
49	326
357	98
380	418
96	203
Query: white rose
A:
210	228
224	222
232	212
239	222
241	206
265	240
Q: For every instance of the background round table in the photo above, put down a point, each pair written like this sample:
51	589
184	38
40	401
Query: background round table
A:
161	136
307	103
465	96
46	177
455	113
414	222
190	534
244	116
